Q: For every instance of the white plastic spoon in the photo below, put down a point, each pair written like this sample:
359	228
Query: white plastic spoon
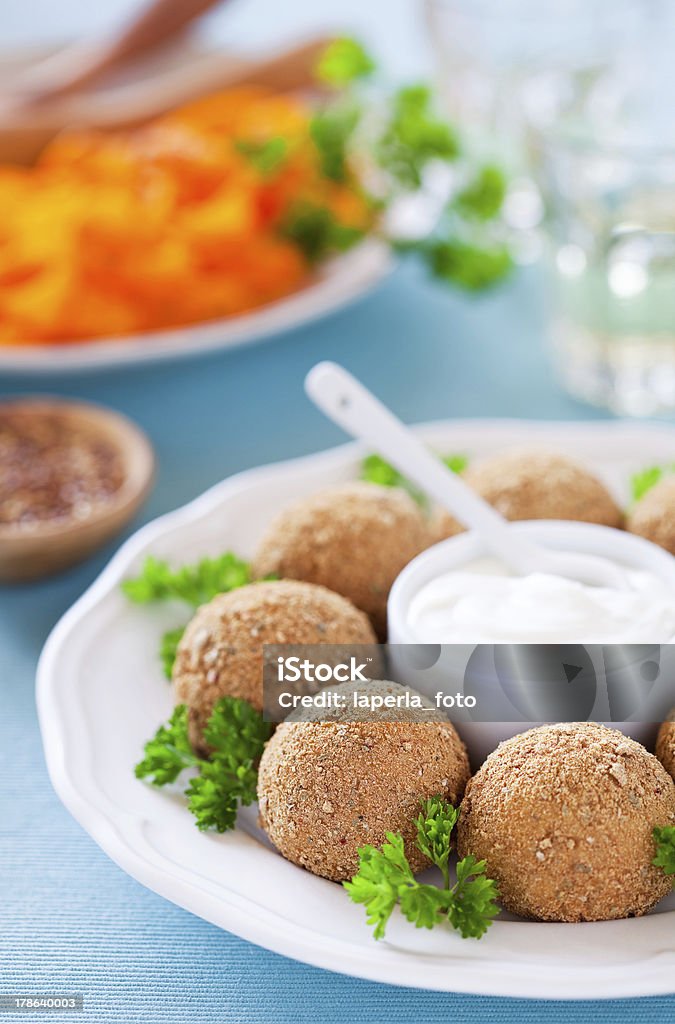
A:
349	404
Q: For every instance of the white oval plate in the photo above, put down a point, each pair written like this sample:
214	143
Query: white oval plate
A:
101	694
337	284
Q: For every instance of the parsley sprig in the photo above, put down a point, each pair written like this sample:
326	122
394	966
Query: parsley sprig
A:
414	136
332	130
344	61
191	584
483	196
665	849
317	232
382	142
236	734
169	751
168	648
376	470
467	264
643	481
267	155
385	880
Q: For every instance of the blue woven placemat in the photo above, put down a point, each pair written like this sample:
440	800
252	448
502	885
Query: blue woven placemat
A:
71	921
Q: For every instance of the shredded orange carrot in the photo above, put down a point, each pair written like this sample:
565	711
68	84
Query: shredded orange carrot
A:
170	224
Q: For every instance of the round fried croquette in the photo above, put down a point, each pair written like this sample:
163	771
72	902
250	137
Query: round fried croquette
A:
564	816
221	651
653	517
535	484
354	538
442	526
665	744
325	789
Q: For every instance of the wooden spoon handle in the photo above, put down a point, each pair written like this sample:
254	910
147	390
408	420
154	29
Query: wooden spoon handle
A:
80	65
25	129
129	107
288	71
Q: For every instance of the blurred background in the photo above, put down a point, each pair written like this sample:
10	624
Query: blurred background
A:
568	99
573	94
501	246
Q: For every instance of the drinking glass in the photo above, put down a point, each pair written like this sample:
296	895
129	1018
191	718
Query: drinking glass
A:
573	96
611	263
503	64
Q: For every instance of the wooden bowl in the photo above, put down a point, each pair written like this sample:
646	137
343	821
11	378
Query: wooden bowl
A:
53	544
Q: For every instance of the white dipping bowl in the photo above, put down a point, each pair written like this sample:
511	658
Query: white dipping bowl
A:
457	552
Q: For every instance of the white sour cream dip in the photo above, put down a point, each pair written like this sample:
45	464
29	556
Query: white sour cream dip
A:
485	603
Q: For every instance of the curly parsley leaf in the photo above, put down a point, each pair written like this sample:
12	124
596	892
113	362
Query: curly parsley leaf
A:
168	647
169	751
267	156
422	905
382	878
483	197
194	584
331	131
212	800
643	481
471	266
344	61
216	793
385	879
317	232
414	136
665	849
473	904
376	470
229	779
434	833
383	143
457	463
237	734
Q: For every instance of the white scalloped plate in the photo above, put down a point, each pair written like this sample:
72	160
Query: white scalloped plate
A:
101	694
338	283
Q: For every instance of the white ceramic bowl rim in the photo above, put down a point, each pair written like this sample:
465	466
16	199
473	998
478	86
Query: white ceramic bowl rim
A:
565	535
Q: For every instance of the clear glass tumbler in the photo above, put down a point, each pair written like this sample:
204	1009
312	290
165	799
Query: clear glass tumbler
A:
574	96
506	66
611	262
503	64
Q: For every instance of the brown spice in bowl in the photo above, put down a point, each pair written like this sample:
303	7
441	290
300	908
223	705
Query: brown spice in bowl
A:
52	469
72	474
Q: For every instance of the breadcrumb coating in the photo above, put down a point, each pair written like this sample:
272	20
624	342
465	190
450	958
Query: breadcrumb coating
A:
665	744
221	651
327	789
564	815
354	538
443	525
535	484
653	516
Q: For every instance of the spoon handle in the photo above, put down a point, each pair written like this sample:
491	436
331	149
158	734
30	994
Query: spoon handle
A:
80	65
349	404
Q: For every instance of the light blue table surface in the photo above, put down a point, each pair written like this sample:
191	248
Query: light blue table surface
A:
70	920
